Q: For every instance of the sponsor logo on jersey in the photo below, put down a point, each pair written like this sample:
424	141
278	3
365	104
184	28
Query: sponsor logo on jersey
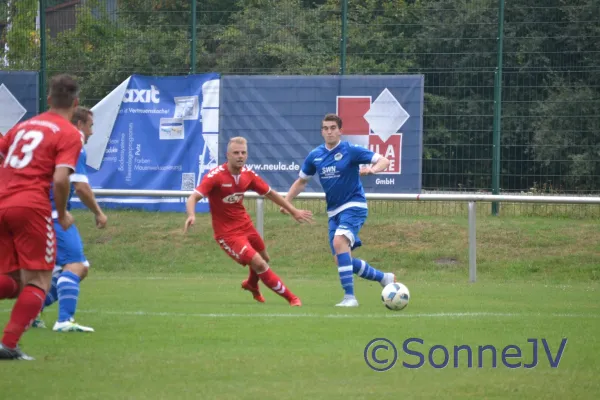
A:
234	198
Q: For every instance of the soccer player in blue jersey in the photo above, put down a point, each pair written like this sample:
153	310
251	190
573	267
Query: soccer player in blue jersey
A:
338	164
71	264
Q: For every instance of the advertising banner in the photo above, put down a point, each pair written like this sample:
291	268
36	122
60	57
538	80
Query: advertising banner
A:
281	118
18	97
155	133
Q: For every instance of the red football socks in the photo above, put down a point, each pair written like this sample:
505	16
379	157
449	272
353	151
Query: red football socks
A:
252	278
9	288
28	305
273	282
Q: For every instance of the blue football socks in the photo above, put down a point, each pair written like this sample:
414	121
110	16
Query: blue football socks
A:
345	271
364	270
68	293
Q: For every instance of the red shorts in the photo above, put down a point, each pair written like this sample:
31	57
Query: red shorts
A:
242	246
26	240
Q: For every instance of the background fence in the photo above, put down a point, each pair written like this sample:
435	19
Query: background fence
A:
525	76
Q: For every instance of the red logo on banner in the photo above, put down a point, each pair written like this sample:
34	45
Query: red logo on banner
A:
374	125
352	111
390	149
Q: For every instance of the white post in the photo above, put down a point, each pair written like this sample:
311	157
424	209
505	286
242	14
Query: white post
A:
260	216
472	242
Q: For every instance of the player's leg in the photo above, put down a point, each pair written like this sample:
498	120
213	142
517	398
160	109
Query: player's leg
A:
340	247
236	248
9	286
10	282
259	264
272	281
51	298
240	249
35	247
354	219
251	284
74	270
259	245
52	295
9	273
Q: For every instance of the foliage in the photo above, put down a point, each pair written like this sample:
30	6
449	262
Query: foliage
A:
22	39
550	81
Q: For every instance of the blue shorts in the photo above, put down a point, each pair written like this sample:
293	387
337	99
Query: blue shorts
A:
69	247
348	224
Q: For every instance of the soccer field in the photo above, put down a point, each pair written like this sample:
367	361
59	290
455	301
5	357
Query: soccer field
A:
172	322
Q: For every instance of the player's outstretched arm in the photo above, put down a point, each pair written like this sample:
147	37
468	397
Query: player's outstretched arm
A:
62	186
381	164
190	208
85	193
299	215
297	187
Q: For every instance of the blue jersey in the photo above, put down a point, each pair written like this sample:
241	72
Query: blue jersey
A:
339	174
80	175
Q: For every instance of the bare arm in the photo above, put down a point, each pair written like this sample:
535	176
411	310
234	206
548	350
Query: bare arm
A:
61	188
379	166
299	215
297	187
85	193
190	209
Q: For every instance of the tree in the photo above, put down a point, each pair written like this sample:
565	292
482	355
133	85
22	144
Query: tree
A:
102	53
567	138
278	36
21	37
454	45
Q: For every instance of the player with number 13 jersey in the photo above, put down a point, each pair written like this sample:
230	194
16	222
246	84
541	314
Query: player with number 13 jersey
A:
34	155
32	149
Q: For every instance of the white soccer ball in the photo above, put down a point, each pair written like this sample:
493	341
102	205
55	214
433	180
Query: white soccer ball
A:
395	296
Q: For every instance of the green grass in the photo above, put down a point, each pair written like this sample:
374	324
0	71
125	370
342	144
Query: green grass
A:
172	323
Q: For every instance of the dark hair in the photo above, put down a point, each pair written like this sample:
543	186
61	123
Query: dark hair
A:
81	114
334	118
63	91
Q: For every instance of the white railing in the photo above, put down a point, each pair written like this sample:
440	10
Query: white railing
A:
472	199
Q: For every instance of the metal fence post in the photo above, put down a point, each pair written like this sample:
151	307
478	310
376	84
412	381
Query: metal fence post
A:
193	28
472	241
343	39
42	74
497	109
260	216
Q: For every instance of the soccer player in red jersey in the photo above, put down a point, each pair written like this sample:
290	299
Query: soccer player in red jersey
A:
34	154
225	186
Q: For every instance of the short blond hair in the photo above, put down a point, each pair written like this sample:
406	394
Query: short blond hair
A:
237	140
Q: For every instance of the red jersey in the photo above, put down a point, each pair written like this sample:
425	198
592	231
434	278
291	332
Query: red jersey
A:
225	194
31	150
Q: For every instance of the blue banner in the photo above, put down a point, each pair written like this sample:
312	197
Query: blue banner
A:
155	133
281	118
18	97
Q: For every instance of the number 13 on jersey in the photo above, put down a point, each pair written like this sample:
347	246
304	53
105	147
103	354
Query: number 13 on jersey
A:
26	148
